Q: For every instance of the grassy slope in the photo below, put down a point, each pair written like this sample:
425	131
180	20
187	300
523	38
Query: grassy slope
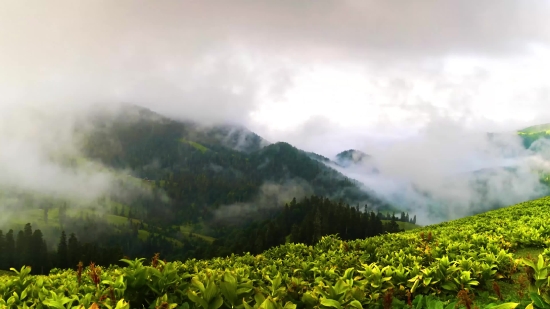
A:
503	235
405	225
495	223
197	146
542	128
520	228
36	217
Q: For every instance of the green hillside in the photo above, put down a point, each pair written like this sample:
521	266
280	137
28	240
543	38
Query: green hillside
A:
531	134
405	225
497	259
536	129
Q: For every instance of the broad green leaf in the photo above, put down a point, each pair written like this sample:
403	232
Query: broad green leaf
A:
506	306
216	303
356	304
229	291
195	281
330	303
197	300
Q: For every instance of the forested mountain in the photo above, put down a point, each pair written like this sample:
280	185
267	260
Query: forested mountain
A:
209	166
181	190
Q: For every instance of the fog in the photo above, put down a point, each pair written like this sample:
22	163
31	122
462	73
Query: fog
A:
416	85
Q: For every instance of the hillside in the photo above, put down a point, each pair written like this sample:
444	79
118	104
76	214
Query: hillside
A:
351	156
483	261
210	161
176	186
536	129
531	134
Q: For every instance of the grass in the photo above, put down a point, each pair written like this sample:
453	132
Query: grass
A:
196	145
36	218
404	225
188	229
541	128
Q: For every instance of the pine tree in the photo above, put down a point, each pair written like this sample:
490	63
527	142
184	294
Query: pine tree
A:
62	252
73	251
317	227
295	234
39	254
20	246
28	246
2	251
10	250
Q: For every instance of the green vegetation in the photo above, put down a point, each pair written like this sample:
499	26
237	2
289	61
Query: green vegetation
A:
531	134
404	225
197	146
484	261
536	129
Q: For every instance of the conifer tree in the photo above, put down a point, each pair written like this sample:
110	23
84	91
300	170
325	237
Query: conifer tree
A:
28	248
73	249
39	253
10	250
20	246
2	251
62	252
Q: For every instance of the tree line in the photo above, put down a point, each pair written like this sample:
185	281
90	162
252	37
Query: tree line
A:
28	248
304	222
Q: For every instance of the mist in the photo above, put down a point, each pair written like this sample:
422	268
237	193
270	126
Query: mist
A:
271	196
449	172
325	78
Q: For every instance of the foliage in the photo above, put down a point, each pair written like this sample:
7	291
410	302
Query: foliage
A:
454	260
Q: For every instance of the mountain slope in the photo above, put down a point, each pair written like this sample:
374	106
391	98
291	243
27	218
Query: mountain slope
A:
531	134
208	167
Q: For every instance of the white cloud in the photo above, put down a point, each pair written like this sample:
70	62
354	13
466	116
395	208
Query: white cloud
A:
326	77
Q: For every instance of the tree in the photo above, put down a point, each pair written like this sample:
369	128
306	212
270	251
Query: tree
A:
295	233
73	251
62	252
10	250
20	246
2	251
317	227
39	257
28	247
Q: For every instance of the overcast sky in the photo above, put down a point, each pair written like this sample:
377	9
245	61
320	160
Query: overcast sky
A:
306	72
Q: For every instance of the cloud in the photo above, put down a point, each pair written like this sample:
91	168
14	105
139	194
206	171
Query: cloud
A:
216	62
448	172
344	74
270	196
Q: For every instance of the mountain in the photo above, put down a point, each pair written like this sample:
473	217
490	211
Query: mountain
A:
162	149
351	156
537	129
177	184
531	134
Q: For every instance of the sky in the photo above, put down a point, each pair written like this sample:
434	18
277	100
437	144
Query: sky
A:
289	70
324	76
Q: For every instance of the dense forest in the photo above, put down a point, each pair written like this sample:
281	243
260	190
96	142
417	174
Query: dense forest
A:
28	248
203	168
304	221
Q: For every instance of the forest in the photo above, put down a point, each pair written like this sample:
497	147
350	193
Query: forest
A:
304	221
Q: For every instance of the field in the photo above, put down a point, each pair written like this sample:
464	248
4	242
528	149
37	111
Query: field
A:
498	259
